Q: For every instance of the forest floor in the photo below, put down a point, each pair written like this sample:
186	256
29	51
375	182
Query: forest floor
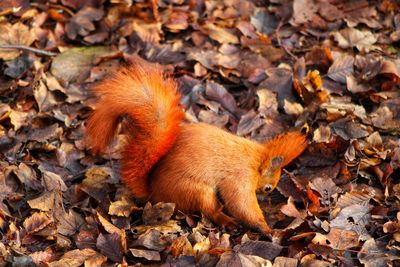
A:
255	68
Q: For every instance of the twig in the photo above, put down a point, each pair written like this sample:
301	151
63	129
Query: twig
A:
28	48
6	12
278	37
55	6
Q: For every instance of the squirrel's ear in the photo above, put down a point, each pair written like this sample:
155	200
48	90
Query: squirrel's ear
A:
270	166
286	146
276	162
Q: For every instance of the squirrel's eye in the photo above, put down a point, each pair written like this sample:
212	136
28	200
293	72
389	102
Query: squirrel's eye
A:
267	188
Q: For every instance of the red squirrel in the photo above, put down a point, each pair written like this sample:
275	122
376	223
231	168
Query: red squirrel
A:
168	160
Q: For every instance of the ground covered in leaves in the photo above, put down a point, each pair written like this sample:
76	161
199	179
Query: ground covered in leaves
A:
255	68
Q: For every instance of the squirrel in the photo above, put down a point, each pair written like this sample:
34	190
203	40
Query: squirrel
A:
197	166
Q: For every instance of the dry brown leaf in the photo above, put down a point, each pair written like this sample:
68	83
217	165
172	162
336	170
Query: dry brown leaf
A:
354	218
110	245
49	200
74	258
303	11
122	207
70	223
373	255
36	222
221	35
326	188
182	246
52	181
147	254
285	262
355	197
158	213
232	258
351	37
83	22
16	34
263	249
75	64
341	68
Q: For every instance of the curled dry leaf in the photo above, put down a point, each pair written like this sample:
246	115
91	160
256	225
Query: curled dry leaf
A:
218	93
152	239
338	239
263	21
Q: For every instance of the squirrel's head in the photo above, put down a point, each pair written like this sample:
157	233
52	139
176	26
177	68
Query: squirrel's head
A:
270	174
279	152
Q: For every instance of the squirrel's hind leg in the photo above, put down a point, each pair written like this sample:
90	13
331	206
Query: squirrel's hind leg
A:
212	208
198	197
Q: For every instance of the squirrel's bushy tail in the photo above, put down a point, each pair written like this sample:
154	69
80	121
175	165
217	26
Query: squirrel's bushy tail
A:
151	102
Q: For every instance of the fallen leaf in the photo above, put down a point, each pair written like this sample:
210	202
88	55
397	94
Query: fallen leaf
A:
74	258
355	197
147	254
351	37
231	258
110	245
14	34
158	213
48	201
221	35
218	93
341	68
354	218
75	64
70	223
263	21
122	207
263	249
38	221
303	11
373	255
83	22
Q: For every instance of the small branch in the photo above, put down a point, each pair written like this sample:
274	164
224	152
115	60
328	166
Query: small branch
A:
55	6
30	49
278	37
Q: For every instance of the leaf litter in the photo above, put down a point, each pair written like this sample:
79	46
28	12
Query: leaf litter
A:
251	67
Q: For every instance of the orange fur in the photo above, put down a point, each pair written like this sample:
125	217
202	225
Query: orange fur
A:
151	101
187	164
